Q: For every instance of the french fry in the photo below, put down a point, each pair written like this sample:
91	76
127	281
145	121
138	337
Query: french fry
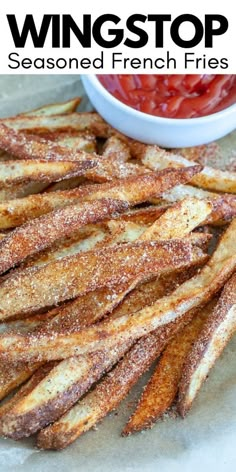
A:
67	278
162	387
13	375
41	233
192	294
34	147
107	395
223	205
116	149
41	372
134	190
21	190
69	106
47	400
67	184
24	171
60	122
210	343
209	178
187	214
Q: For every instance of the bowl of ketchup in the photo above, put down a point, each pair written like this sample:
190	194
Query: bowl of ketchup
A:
168	110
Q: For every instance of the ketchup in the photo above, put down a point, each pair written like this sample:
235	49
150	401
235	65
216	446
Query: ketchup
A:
173	96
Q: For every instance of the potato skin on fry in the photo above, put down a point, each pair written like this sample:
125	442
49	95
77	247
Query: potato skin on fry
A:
218	330
76	275
162	387
41	233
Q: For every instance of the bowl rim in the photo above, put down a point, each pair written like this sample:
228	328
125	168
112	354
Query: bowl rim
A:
93	79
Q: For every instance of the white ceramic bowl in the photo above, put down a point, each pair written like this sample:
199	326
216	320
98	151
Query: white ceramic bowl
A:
166	132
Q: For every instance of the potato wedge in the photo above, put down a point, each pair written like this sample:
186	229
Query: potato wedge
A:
210	343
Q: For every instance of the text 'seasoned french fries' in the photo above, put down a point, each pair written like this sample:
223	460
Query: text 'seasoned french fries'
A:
67	278
103	266
133	190
216	333
209	178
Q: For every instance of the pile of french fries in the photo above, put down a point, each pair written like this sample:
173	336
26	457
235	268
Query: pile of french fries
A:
113	255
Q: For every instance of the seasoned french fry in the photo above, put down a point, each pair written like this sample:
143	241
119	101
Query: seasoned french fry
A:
116	149
187	214
13	375
192	294
209	178
66	322
21	190
35	147
41	372
109	392
215	335
67	278
47	400
162	387
24	171
41	233
69	106
223	205
134	190
60	122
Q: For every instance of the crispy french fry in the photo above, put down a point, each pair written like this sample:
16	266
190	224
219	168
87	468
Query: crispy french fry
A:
116	149
93	305
84	142
107	395
69	106
13	375
60	122
41	372
215	335
192	294
209	178
41	233
162	387
223	205
34	147
187	214
24	171
67	278
47	400
133	190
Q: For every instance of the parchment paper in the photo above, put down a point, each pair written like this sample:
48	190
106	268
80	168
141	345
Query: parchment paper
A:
205	440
